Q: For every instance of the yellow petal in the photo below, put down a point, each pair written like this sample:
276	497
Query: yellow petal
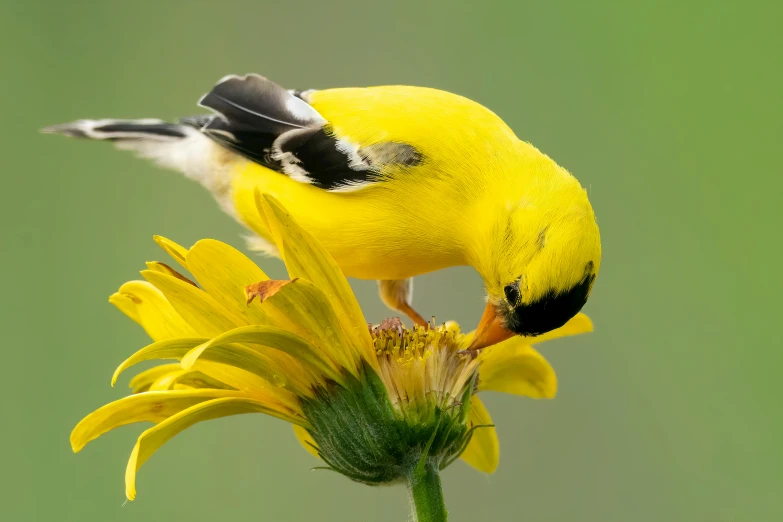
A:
306	440
302	308
235	377
198	308
163	320
483	451
126	305
163	268
147	305
246	358
515	367
166	349
147	406
578	324
271	337
177	252
200	379
144	380
249	360
193	379
305	258
252	384
152	439
224	272
170	381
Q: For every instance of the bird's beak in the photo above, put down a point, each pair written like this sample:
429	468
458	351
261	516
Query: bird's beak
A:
490	330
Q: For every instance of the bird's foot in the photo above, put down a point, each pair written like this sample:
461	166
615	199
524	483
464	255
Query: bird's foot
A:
414	316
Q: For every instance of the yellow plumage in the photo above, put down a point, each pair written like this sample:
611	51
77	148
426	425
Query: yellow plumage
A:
476	179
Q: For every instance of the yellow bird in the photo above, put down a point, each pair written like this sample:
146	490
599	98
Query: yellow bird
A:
394	181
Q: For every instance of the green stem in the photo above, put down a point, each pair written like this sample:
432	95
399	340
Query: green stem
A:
426	494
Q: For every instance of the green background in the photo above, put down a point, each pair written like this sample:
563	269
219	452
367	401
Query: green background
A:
668	112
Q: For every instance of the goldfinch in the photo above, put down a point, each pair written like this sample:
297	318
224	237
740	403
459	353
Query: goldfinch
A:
394	181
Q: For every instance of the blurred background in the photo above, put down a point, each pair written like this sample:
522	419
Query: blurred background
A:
669	113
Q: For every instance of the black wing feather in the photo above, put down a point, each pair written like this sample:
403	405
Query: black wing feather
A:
280	130
255	102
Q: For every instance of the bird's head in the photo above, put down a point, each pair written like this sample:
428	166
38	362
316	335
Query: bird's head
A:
541	270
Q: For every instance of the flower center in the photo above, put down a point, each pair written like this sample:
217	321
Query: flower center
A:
422	368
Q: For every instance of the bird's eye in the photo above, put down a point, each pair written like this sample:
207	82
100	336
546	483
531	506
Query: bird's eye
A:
512	292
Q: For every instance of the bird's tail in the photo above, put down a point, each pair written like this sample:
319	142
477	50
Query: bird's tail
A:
154	139
177	146
119	130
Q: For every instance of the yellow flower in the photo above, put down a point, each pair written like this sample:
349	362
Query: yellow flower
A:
373	404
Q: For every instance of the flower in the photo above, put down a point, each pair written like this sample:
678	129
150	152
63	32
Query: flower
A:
376	404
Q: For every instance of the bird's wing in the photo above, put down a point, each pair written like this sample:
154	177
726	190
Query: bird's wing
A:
279	129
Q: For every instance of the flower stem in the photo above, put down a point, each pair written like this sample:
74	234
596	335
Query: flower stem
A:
426	494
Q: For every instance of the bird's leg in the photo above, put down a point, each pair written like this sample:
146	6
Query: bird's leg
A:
396	294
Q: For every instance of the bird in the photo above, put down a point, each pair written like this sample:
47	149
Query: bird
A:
394	181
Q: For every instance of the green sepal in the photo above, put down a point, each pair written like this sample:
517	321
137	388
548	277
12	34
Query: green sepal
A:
361	434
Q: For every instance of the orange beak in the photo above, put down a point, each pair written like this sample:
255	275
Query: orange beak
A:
490	330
